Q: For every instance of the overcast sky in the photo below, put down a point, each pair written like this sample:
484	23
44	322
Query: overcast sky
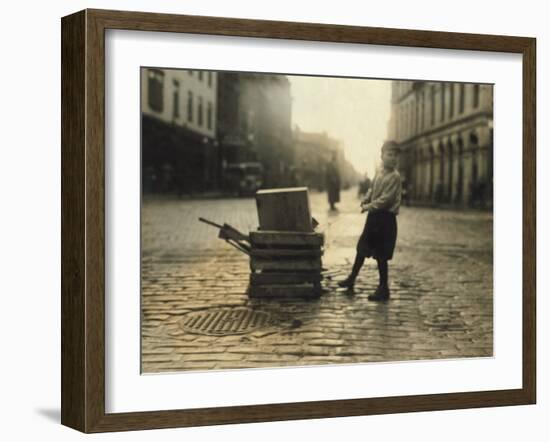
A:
355	111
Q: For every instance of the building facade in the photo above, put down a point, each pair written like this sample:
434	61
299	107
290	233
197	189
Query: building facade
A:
254	122
313	151
179	147
445	132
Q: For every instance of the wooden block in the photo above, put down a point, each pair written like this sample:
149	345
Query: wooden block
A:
295	265
284	209
266	278
308	291
272	253
281	239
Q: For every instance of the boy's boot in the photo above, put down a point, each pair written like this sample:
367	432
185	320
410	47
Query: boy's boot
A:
349	282
382	293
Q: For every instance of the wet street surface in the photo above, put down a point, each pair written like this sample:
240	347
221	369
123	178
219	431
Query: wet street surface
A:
196	314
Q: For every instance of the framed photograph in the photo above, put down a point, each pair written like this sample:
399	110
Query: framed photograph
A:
267	221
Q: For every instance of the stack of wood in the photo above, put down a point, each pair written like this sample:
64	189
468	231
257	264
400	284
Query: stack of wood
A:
285	252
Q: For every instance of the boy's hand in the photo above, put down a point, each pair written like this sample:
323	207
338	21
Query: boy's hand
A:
367	198
365	207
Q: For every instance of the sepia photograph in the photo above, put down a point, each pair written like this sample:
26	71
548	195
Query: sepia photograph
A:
295	220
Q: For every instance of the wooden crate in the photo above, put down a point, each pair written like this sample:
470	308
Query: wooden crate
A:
276	239
285	264
284	209
272	253
295	265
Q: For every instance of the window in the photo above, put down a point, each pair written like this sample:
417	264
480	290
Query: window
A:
451	100
401	127
417	112
176	101
397	125
190	106
461	98
476	96
156	89
201	73
190	73
406	121
200	110
209	116
423	110
209	79
432	111
411	118
442	112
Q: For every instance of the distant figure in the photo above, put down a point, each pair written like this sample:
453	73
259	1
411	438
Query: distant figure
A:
439	195
333	182
167	178
479	194
364	186
294	178
149	180
482	194
405	195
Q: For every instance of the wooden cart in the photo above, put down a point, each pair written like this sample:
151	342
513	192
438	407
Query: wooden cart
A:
285	252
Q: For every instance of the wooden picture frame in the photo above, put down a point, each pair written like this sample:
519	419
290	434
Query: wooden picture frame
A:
83	220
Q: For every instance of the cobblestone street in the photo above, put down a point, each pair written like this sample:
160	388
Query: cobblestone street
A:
441	302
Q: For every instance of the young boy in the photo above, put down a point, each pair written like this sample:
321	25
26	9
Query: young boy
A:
380	231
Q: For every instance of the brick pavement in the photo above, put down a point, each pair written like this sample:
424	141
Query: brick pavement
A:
441	282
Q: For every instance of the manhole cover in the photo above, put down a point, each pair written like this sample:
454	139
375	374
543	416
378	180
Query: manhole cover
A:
225	321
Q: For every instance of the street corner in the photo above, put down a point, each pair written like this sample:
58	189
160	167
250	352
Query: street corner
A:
197	313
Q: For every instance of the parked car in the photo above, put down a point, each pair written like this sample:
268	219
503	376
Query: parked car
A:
243	178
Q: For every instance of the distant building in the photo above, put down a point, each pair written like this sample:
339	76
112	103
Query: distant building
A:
312	153
179	149
254	122
446	137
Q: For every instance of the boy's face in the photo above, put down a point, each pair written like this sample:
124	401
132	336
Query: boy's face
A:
389	158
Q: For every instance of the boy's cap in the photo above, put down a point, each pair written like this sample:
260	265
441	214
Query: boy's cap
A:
390	145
